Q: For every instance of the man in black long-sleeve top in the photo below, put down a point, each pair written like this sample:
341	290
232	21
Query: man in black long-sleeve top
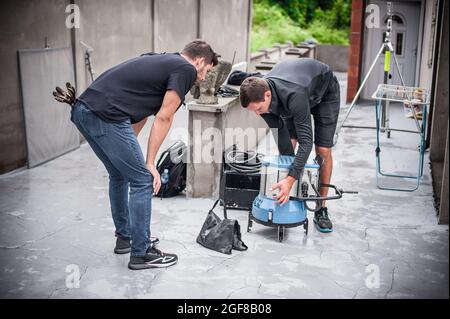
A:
286	98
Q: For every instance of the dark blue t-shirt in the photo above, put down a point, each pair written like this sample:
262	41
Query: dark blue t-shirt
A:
135	88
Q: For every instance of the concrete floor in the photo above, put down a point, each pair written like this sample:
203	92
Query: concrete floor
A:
55	221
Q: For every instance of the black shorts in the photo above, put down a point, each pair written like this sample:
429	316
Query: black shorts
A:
325	115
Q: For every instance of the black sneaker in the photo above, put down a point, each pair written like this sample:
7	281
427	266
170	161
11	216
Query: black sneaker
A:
322	221
154	258
123	246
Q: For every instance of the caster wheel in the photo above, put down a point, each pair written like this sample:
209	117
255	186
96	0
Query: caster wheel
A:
281	232
249	224
389	134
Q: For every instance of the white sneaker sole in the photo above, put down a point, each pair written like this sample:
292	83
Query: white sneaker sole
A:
149	265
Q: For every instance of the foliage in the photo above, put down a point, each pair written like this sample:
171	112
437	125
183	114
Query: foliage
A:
326	21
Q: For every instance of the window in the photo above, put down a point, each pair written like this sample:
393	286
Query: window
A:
395	18
399	44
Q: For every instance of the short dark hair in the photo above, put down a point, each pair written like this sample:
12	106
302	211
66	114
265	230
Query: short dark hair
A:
252	90
201	49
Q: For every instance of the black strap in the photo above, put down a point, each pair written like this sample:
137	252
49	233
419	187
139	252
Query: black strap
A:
215	204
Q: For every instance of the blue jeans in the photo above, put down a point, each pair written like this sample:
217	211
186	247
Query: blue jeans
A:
130	182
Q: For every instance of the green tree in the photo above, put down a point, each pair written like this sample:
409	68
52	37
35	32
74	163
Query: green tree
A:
327	21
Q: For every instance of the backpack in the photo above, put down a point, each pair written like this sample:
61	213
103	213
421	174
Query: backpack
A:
174	160
237	77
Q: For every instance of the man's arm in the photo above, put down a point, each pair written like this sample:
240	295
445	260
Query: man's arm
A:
160	128
303	127
280	132
299	107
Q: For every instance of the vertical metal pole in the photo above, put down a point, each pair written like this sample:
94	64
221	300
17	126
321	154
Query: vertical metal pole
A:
387	68
384	105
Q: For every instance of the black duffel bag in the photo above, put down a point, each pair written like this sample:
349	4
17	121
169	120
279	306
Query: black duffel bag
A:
220	235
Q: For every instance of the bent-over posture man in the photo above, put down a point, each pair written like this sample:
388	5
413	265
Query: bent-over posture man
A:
110	114
285	98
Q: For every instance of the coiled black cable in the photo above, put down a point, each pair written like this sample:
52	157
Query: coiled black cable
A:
244	162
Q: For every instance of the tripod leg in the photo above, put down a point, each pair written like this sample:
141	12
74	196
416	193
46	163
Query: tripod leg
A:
384	106
386	120
358	93
398	69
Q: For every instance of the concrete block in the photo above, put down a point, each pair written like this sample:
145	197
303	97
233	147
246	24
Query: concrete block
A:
212	129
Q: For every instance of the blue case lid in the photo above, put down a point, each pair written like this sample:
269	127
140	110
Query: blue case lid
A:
283	161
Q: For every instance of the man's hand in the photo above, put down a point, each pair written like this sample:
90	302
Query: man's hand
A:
284	186
156	178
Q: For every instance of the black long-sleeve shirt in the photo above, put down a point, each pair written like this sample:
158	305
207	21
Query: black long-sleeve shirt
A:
298	85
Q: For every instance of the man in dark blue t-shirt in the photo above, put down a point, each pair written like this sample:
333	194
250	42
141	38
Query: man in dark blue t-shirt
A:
110	114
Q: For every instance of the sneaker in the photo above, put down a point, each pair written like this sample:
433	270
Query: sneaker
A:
154	241
123	246
322	221
154	258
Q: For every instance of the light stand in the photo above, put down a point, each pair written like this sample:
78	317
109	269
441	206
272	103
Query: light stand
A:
388	49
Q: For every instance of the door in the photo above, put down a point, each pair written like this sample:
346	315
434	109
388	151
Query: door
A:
404	38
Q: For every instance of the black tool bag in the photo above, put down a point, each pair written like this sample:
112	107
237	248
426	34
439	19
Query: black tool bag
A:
237	77
220	235
174	160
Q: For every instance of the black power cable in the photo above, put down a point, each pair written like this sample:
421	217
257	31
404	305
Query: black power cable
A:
244	162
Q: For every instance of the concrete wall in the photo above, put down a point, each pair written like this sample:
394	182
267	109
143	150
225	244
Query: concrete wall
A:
203	173
225	25
24	24
336	56
440	122
275	53
117	30
425	67
176	23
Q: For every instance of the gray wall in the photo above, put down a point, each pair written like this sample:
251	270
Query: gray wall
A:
336	56
427	52
225	24
440	123
24	24
117	30
176	23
